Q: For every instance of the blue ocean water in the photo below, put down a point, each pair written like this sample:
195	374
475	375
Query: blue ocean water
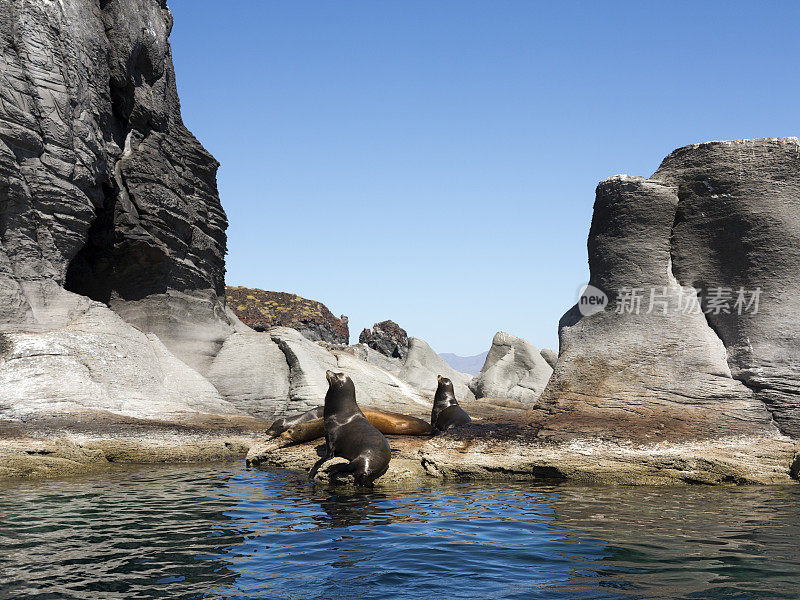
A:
225	532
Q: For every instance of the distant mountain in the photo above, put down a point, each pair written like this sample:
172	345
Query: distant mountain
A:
465	364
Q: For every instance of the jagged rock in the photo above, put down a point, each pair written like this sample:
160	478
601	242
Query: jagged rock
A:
261	310
104	195
388	338
549	356
422	365
514	369
646	374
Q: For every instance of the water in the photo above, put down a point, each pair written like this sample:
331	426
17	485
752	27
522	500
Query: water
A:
221	531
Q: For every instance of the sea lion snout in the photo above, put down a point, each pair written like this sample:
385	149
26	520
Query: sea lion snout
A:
329	375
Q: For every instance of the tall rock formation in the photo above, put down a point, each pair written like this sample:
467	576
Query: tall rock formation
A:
104	191
680	349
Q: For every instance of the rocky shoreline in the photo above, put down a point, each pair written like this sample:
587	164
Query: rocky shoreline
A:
118	345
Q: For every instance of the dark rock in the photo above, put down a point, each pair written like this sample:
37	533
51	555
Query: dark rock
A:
737	227
388	338
103	190
261	310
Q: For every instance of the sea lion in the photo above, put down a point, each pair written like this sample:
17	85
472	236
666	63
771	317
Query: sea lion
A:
281	425
348	434
388	423
446	412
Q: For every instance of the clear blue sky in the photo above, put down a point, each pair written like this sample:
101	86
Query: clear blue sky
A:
435	162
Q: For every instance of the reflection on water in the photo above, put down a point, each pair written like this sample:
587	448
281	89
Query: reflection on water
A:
226	532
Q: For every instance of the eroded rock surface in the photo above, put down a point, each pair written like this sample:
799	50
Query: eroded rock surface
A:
667	366
514	369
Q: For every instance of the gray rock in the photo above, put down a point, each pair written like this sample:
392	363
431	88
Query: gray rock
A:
251	372
647	374
372	356
422	365
549	356
514	369
307	362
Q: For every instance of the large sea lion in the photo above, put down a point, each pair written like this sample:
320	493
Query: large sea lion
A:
446	412
303	427
348	434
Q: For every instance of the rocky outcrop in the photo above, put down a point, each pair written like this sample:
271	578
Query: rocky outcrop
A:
260	310
388	338
99	363
514	369
667	358
288	376
422	366
105	197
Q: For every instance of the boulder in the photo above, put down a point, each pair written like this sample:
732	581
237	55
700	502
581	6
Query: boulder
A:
281	372
388	338
514	369
422	365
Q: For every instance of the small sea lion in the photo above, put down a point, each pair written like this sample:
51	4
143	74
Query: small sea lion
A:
446	412
388	423
281	425
348	434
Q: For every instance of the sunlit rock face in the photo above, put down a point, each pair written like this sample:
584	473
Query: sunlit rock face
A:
700	333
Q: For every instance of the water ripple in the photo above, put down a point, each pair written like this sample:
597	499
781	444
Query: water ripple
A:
223	532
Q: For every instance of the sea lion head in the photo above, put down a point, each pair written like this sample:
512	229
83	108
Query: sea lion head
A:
341	391
445	394
338	380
